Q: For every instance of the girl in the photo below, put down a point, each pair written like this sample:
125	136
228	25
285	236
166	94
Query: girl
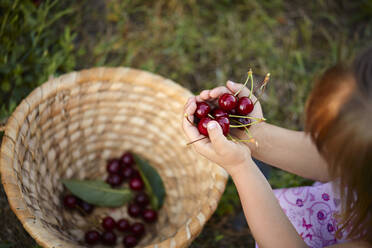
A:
336	148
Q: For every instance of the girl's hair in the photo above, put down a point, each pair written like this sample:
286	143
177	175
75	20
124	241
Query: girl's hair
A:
339	120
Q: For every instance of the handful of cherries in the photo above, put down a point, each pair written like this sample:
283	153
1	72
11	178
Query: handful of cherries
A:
105	232
231	111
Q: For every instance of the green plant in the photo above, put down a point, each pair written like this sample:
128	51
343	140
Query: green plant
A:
32	48
229	200
282	179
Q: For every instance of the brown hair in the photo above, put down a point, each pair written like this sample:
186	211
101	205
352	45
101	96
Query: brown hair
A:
339	120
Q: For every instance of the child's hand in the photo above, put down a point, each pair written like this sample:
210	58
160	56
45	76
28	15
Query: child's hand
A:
231	87
217	148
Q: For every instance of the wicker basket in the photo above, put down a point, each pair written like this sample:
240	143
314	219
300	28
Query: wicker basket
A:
71	125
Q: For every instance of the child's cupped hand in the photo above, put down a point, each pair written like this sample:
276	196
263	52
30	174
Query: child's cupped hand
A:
217	148
231	87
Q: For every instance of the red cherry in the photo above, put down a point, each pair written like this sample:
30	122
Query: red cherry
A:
108	223
224	123
134	210
142	199
130	241
129	172
70	201
92	237
113	166
109	238
136	184
127	159
114	180
202	126
136	174
123	225
245	106
85	206
243	121
149	215
227	102
138	229
202	109
219	113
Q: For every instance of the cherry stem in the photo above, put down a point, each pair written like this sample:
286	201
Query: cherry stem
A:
187	118
248	132
230	137
192	142
264	81
245	83
245	128
248	117
242	125
262	87
248	140
242	140
250	75
211	116
235	140
246	125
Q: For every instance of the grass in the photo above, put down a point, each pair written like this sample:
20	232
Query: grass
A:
198	44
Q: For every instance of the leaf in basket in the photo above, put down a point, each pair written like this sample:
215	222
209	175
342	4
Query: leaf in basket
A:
98	193
153	182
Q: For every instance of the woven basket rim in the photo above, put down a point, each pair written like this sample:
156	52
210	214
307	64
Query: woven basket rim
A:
8	178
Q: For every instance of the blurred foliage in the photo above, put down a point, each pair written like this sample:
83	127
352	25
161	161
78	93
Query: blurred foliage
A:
282	179
229	201
199	44
31	48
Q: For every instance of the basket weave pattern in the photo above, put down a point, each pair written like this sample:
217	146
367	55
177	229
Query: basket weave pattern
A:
71	125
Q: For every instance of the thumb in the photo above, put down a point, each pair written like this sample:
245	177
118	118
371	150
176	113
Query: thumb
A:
219	142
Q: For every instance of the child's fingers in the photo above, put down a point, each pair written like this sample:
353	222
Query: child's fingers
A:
219	142
188	103
204	95
190	107
206	149
190	130
216	92
235	87
198	99
202	143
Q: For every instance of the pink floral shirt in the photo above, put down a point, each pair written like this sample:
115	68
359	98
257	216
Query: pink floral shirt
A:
311	210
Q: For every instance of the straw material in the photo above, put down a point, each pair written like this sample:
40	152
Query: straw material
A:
71	125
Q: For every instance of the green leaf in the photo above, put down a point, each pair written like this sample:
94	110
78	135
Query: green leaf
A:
218	237
153	182
98	193
2	245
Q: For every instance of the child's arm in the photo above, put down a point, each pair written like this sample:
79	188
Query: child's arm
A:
266	219
268	223
289	150
286	149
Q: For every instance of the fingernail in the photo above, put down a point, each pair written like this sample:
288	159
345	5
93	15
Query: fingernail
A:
211	125
230	82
